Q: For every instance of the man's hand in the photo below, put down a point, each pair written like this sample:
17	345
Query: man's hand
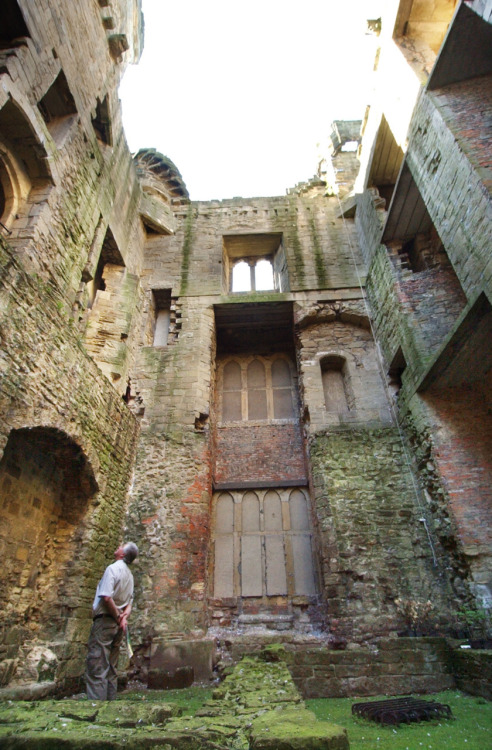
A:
123	622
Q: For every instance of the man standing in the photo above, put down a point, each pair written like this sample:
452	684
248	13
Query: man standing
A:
110	612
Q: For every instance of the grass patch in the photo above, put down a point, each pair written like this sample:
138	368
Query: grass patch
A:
189	699
470	729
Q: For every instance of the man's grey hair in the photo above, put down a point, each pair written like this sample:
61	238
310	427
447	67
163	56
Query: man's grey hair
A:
131	552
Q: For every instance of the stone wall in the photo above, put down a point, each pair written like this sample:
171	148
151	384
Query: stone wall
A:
447	176
68	439
391	666
59	543
173	387
473	671
371	519
331	333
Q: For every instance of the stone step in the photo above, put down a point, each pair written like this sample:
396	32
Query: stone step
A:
269	621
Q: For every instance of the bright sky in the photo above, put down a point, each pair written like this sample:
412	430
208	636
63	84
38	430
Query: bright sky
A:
240	95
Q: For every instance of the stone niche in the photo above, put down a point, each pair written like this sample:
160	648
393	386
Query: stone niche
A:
45	485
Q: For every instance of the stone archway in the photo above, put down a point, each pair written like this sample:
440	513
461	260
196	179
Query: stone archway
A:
46	482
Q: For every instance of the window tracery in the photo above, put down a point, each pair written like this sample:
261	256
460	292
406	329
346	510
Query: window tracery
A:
256	388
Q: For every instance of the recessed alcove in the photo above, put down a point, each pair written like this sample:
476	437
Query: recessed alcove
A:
46	483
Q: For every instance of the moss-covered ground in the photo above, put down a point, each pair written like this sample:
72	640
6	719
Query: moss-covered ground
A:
256	707
203	719
469	729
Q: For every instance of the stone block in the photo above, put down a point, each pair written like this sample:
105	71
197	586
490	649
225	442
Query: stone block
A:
294	729
185	660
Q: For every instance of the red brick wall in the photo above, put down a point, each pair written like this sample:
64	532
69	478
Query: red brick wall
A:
259	453
435	298
464	457
465	105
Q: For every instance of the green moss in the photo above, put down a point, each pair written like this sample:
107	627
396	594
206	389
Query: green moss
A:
319	262
276	652
242	297
187	244
296	729
294	243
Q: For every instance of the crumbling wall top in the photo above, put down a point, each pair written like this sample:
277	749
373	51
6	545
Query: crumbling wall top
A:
159	174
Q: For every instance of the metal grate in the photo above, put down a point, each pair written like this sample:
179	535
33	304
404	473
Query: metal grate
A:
401	710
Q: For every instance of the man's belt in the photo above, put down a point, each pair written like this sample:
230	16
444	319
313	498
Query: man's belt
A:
97	617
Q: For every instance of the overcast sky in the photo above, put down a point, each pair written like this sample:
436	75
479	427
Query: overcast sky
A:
241	95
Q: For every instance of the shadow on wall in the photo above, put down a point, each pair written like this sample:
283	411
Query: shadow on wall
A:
45	485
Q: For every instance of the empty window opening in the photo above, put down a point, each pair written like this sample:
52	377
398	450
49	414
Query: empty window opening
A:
101	122
162	307
334	375
97	283
255	263
252	275
264	276
424	251
396	369
58	107
110	255
263	544
12	25
350	146
241	277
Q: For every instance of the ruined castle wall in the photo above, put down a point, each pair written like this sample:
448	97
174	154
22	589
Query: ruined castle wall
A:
419	311
316	243
67	438
172	386
170	499
49	384
374	548
453	178
363	398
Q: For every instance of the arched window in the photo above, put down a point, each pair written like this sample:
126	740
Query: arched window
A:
257	389
282	390
334	374
224	546
241	277
264	276
257	399
252	275
231	398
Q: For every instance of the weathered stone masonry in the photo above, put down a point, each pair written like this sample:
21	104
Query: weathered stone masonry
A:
279	475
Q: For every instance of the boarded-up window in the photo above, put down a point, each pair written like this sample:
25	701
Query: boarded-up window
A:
231	404
269	552
257	400
257	388
282	390
223	576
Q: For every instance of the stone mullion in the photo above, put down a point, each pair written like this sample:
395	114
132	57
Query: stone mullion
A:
289	554
244	391
269	389
237	533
